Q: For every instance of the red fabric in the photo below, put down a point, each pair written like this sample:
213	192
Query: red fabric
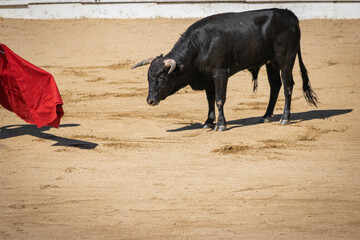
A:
28	91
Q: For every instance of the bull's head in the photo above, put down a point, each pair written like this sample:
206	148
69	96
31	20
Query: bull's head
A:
161	81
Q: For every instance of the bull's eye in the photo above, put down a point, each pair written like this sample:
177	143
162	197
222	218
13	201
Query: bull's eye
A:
160	79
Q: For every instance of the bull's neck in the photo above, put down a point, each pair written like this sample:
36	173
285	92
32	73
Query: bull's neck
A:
183	52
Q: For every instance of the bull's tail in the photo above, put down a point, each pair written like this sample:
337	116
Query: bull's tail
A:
309	94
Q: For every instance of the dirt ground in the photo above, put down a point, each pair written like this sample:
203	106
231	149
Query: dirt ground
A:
120	169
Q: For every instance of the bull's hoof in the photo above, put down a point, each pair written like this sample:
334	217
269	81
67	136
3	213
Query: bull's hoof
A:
264	120
220	128
208	125
284	122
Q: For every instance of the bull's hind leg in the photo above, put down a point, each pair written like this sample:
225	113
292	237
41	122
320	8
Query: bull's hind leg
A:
220	81
286	48
273	74
288	82
210	95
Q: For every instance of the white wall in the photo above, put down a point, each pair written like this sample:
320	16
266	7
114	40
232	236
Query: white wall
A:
124	9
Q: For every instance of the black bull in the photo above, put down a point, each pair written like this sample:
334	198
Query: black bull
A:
214	48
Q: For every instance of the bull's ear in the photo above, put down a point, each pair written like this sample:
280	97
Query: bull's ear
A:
179	68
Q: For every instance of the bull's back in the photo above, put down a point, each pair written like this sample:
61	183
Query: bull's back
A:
244	22
240	40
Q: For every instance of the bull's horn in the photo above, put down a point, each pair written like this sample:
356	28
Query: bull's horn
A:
170	63
142	63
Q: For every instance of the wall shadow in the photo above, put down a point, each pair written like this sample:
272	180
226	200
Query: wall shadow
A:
295	117
20	130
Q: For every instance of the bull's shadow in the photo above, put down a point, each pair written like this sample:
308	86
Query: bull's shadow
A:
20	130
295	117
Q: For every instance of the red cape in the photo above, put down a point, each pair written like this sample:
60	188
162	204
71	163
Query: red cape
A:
28	91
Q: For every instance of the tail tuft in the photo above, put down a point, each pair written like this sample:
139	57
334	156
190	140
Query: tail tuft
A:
310	95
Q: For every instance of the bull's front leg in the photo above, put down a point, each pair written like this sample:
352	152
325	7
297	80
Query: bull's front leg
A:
210	95
220	80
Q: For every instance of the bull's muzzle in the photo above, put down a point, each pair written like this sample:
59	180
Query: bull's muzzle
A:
152	101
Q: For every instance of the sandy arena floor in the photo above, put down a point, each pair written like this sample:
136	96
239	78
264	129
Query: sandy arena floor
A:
120	169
